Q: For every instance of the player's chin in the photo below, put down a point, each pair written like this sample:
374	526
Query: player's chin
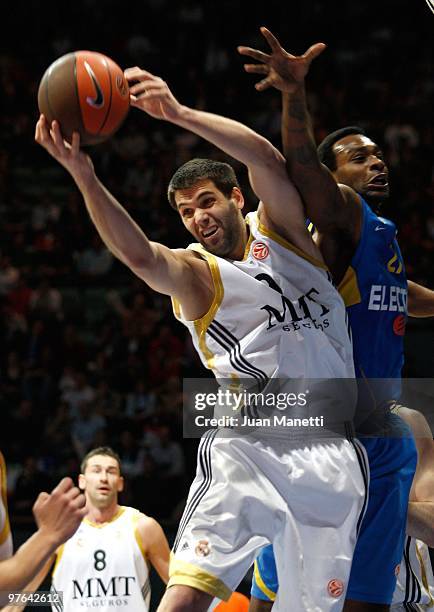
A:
378	194
218	248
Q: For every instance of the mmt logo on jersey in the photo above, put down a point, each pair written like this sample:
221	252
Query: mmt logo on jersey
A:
96	588
305	307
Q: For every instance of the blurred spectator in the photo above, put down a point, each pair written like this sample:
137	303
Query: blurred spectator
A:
29	483
79	393
167	455
132	456
9	275
46	302
95	260
140	404
85	426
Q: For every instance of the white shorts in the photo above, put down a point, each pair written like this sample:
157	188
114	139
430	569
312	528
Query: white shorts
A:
305	498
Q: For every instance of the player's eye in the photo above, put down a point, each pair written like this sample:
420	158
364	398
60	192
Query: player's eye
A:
187	212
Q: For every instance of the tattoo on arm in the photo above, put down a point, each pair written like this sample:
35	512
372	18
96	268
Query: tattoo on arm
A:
297	109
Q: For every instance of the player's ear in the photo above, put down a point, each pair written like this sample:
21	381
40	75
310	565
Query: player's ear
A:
81	482
121	484
237	197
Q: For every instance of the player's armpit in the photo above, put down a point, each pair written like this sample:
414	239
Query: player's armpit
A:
180	274
155	545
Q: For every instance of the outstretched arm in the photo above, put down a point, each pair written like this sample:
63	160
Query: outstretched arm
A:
282	204
169	272
329	206
57	515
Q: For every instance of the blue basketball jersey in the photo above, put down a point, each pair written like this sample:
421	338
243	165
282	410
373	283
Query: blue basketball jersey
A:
374	290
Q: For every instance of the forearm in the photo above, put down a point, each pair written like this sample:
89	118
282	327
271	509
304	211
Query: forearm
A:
30	587
420	521
297	136
30	558
232	137
318	188
420	300
117	229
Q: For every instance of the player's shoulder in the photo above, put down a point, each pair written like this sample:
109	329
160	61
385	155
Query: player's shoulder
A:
147	523
349	195
148	529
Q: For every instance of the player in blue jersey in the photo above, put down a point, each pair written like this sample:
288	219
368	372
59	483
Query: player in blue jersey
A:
343	186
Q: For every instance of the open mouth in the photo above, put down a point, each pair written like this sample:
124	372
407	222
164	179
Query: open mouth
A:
209	232
381	180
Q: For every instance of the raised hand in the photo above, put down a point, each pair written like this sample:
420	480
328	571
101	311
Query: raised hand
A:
282	70
59	513
70	156
151	94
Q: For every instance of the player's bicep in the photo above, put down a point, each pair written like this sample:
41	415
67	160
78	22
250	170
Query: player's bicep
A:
273	187
281	206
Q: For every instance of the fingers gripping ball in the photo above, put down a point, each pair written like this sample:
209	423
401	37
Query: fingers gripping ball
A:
85	92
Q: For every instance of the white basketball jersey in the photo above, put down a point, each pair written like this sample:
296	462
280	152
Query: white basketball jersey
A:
415	583
6	547
275	314
103	567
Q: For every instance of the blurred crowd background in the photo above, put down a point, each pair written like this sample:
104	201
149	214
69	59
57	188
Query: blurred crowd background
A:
89	355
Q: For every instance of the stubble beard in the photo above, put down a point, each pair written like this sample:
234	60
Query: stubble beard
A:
230	227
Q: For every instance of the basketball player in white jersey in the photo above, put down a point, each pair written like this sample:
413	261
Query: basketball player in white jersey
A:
105	565
415	583
259	307
57	516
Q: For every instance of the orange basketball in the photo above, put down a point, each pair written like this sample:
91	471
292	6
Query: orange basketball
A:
87	93
236	603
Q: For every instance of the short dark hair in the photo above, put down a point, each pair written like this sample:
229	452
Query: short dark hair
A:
101	450
222	175
325	148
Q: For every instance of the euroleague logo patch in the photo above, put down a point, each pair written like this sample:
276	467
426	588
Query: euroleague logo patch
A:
399	325
260	250
335	587
397	570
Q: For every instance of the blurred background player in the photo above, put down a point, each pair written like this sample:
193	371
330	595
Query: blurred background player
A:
106	563
348	227
212	553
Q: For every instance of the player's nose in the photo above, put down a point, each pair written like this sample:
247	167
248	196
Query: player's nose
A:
376	163
201	217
